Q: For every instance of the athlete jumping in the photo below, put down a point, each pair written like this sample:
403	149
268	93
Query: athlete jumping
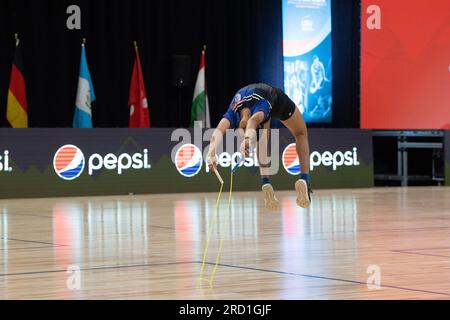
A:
251	109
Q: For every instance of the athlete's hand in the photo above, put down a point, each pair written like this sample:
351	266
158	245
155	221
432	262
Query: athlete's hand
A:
245	147
211	160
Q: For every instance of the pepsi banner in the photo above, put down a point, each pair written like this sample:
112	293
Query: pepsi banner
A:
307	50
71	162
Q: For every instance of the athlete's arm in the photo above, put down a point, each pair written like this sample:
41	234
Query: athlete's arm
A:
250	134
216	139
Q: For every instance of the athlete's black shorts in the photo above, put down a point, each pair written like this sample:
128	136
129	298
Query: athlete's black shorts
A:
283	108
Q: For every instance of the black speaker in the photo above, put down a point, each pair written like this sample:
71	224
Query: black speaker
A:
181	70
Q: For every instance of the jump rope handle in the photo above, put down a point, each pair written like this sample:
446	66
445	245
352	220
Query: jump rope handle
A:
218	176
238	164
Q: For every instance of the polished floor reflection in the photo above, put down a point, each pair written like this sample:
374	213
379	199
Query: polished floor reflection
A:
151	247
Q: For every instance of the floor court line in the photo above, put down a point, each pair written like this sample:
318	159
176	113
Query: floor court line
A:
75	218
31	248
25	215
229	266
327	278
422	254
33	241
98	268
425	249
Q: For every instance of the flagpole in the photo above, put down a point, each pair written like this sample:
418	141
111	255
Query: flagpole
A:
207	115
136	60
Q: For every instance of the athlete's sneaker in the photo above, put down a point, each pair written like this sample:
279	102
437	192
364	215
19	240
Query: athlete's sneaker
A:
303	194
270	200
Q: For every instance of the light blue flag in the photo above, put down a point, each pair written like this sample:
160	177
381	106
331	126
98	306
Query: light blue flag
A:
85	95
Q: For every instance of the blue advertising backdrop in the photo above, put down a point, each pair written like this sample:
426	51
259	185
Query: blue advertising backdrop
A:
307	50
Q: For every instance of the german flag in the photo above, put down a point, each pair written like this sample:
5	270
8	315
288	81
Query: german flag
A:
17	98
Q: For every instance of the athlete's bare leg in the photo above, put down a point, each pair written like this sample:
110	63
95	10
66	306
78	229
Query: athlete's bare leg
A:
270	200
297	126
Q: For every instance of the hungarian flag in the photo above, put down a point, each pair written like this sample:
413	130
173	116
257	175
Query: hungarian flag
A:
200	104
17	97
139	113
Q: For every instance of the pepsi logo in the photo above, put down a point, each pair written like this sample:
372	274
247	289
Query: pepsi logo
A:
291	161
189	160
69	162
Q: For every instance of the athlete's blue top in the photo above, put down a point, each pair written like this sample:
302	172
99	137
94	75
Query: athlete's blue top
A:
256	97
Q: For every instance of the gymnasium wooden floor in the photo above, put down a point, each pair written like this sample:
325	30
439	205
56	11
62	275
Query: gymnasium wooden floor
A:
151	247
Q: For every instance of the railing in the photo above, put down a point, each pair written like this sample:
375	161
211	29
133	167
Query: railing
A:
404	145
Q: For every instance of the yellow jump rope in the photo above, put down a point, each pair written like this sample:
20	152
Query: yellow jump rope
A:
212	225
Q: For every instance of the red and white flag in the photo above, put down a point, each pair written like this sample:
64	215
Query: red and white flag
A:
139	113
200	103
